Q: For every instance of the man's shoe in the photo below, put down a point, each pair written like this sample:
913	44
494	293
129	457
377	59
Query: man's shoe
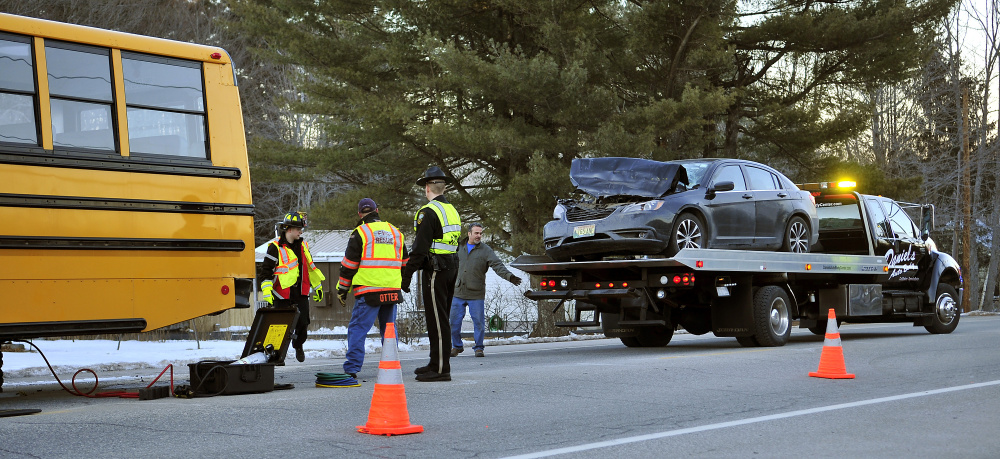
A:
457	350
353	375
422	370
432	376
300	355
480	353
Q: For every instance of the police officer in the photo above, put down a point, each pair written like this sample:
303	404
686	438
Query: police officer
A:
283	283
372	264
438	228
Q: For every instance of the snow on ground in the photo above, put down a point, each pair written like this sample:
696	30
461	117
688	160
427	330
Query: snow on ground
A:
68	356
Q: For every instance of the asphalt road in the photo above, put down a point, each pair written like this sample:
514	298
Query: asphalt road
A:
916	395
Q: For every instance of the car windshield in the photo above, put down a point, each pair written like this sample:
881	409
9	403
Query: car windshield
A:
695	171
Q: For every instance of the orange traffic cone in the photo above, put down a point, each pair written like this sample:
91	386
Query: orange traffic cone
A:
831	361
388	415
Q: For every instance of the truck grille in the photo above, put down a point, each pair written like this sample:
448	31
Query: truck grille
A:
579	214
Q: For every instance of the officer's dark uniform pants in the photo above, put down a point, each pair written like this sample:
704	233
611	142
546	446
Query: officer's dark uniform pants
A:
438	288
302	326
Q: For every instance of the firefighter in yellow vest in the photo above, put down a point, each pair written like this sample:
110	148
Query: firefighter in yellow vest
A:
288	275
372	262
438	228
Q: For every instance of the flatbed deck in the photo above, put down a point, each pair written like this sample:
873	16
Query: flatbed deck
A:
715	260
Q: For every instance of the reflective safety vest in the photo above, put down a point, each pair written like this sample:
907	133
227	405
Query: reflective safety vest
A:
451	226
287	270
381	259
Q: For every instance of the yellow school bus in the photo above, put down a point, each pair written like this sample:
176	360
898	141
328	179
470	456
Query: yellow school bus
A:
125	199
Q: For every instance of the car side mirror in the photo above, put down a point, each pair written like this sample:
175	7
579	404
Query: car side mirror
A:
724	186
720	186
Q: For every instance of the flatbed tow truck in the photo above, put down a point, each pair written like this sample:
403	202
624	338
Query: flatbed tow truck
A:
871	264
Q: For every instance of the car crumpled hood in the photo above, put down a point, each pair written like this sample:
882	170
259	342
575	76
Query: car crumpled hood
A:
603	177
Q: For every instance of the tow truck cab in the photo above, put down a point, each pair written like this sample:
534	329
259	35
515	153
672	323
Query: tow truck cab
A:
862	224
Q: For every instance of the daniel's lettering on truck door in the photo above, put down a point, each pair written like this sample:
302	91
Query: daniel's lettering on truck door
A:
894	261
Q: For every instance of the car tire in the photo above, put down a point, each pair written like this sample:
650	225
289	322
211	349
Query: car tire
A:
946	310
688	232
796	236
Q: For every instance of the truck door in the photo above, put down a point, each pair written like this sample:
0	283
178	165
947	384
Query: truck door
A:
907	246
731	212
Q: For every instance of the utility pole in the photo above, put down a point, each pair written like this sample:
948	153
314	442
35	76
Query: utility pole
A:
967	247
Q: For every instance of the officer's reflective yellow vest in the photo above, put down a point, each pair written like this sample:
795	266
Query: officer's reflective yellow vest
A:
451	226
287	270
381	259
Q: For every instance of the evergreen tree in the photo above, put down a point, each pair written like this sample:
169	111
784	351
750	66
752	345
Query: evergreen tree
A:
503	94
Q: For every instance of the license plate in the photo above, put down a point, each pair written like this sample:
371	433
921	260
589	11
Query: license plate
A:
583	231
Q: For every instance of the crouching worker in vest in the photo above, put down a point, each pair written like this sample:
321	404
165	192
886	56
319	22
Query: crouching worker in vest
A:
288	275
372	262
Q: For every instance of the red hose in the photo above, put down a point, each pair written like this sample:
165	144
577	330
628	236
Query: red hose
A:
90	393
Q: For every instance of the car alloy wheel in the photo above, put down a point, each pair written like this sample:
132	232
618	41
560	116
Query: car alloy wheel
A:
688	234
797	236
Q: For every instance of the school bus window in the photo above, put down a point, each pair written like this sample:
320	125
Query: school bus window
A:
81	96
17	91
165	106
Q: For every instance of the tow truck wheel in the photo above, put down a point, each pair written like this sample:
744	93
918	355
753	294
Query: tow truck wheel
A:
820	328
655	336
772	316
747	341
697	321
688	233
796	239
630	341
946	313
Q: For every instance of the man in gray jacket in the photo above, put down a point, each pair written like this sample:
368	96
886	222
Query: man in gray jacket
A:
474	258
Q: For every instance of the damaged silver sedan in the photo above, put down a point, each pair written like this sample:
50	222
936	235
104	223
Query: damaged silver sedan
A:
632	206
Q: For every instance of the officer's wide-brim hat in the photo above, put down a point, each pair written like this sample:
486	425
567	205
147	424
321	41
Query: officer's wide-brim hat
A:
433	173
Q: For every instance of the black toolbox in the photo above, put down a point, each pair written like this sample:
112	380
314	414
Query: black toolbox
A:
271	327
221	378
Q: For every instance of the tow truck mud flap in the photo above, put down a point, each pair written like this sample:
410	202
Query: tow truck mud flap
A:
733	315
609	323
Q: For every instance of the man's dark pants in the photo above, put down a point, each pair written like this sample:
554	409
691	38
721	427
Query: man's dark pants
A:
438	288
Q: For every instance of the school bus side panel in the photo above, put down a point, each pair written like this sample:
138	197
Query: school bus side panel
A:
91	240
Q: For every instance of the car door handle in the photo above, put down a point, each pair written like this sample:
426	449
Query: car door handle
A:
748	196
782	195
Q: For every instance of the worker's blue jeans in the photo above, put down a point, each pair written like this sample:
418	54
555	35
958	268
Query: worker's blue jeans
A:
477	311
362	318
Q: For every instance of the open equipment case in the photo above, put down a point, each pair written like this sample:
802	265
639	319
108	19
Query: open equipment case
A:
271	327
